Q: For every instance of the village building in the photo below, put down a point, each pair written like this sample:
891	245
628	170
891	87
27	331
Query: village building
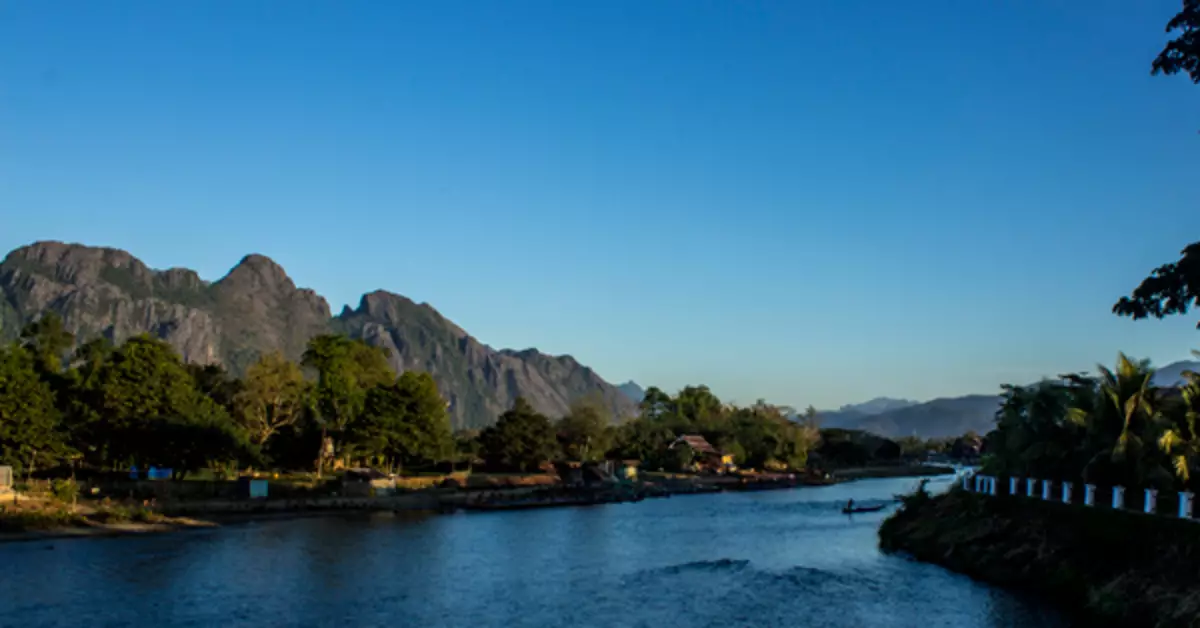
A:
705	457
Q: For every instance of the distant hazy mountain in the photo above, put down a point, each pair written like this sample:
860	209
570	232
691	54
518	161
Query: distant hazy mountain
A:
951	416
938	418
1172	374
632	390
850	414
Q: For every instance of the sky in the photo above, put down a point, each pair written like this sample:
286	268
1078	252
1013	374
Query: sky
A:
811	202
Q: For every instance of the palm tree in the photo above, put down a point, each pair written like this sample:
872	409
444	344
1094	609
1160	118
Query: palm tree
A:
1181	441
1122	417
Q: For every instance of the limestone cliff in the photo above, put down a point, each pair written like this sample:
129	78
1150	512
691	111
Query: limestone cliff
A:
257	308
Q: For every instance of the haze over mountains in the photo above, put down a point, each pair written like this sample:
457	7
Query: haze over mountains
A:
256	308
950	416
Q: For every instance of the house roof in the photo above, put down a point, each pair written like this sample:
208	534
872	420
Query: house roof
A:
697	443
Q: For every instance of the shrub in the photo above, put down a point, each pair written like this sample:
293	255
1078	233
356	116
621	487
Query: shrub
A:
65	491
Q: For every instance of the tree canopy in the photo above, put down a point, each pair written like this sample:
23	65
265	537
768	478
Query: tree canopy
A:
1182	54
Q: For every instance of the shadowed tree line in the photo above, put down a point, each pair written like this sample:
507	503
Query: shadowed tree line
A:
137	404
107	407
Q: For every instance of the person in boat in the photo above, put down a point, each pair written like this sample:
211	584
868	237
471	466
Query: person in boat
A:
850	505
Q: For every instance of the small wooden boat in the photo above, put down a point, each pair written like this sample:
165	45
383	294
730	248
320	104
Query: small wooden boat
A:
857	509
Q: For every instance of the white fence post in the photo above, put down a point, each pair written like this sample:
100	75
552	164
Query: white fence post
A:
1185	505
1151	500
992	486
1012	485
1066	492
1089	494
1029	484
966	482
1118	497
1046	484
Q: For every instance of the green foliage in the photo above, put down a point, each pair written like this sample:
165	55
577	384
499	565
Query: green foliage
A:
65	490
29	420
403	422
49	342
584	431
1113	429
272	396
522	438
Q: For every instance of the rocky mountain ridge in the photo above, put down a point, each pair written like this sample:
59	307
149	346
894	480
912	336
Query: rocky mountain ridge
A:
257	308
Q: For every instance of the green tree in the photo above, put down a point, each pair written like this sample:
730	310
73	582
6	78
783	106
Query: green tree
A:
138	400
584	431
655	403
214	382
522	438
405	422
643	439
346	370
273	396
1181	439
49	342
29	437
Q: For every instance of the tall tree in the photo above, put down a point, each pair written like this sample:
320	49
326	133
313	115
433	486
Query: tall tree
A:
346	370
583	432
138	399
28	416
522	438
404	422
273	395
49	342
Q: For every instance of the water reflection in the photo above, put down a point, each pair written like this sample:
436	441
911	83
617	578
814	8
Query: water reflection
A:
777	558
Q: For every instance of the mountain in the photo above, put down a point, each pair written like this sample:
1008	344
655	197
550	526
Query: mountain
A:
1172	374
850	415
893	418
256	308
633	391
877	405
939	418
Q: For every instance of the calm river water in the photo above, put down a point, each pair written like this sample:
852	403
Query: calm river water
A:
773	558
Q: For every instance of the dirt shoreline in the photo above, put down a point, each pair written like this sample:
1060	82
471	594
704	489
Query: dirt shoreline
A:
102	530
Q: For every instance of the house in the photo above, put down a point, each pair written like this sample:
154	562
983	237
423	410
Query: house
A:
704	455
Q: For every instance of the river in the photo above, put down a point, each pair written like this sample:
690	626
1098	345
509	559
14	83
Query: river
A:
771	558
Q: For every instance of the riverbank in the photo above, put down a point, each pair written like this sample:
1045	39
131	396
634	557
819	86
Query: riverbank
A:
893	471
41	521
1111	567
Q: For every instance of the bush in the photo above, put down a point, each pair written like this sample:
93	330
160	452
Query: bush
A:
65	491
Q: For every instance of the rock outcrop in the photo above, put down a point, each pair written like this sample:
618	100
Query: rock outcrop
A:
257	308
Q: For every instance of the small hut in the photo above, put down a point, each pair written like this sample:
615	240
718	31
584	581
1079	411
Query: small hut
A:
704	455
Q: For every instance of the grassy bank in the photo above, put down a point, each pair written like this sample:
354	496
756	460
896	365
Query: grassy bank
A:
37	519
1114	568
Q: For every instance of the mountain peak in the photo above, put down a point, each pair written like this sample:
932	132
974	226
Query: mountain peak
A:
258	272
256	308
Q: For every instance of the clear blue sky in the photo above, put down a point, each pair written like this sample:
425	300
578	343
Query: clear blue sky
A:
811	202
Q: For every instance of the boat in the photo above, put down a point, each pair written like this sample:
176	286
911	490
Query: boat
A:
857	509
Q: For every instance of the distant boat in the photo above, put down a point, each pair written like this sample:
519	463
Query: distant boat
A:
847	510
